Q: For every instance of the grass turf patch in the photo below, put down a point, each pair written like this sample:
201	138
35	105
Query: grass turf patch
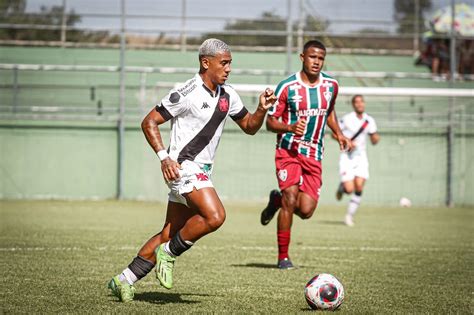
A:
57	256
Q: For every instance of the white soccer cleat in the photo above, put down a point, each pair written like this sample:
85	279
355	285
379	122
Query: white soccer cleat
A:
348	220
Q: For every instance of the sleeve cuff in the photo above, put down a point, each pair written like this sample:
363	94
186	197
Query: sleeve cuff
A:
240	114
163	112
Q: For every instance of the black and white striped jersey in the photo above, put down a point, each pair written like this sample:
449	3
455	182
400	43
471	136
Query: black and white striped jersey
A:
197	118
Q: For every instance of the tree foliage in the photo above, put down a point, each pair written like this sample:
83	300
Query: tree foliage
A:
268	21
405	14
14	12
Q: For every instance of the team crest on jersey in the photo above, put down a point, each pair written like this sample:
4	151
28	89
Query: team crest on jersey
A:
223	104
283	175
327	95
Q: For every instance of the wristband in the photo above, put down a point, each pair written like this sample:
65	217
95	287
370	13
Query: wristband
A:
162	155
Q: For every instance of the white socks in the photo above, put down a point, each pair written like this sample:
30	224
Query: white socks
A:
129	276
353	204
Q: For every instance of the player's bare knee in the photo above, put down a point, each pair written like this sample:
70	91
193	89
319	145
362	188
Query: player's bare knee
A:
216	220
306	213
305	216
289	200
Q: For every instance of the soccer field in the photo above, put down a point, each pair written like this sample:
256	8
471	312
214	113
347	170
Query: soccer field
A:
57	257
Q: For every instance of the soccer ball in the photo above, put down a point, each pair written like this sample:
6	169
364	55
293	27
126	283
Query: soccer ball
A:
405	202
324	292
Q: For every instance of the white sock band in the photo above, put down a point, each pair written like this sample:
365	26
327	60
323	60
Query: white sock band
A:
166	248
129	276
353	204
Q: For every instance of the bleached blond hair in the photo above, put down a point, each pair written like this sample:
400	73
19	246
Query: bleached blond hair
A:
212	46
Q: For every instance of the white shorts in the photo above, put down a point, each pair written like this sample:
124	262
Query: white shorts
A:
192	175
353	166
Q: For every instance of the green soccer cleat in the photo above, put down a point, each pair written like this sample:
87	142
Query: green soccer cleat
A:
123	291
164	267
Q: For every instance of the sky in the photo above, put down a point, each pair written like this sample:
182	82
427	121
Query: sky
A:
357	13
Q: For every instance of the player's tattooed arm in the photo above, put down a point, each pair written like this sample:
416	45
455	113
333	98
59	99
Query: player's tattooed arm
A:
252	123
345	144
153	136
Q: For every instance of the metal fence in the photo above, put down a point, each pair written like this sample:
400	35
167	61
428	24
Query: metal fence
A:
181	28
180	24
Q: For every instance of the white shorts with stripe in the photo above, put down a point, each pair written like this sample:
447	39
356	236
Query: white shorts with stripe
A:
192	175
351	166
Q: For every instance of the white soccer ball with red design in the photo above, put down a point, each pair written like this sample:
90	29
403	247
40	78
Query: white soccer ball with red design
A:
324	292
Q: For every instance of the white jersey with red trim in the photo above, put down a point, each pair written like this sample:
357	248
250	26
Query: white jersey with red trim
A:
197	119
358	129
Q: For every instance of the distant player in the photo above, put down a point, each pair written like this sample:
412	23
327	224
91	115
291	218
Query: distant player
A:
198	110
354	165
305	105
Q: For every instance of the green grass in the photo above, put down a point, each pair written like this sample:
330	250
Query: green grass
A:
57	257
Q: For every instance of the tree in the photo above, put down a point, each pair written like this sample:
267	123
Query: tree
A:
13	12
405	14
267	22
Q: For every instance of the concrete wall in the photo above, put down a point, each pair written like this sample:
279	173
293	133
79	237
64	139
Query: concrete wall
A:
80	162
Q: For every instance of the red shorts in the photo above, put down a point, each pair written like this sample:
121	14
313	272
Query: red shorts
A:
293	168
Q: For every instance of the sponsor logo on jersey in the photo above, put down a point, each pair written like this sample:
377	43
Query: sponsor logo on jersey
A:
174	97
188	88
205	105
308	144
283	175
223	104
327	84
187	182
202	177
296	98
312	112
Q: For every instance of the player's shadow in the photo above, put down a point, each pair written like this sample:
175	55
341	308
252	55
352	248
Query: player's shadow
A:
256	265
262	265
167	298
330	222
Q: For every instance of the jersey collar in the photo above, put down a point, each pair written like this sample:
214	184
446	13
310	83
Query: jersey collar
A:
200	82
300	81
364	115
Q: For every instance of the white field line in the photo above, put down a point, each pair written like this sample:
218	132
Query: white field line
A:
245	248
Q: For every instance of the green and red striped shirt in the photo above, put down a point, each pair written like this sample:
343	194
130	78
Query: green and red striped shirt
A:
297	100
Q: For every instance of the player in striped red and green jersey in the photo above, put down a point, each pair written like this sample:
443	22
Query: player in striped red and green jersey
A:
304	107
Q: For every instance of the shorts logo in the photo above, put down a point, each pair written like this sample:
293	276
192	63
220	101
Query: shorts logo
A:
223	104
202	177
319	191
187	182
282	175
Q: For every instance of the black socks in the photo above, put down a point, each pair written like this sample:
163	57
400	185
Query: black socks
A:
178	245
140	267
